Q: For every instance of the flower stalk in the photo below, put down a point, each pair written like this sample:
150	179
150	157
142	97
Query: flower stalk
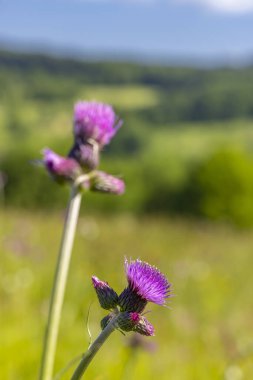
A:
59	286
95	124
95	346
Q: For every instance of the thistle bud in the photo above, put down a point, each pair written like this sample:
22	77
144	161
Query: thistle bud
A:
61	169
144	327
127	321
107	297
87	154
107	183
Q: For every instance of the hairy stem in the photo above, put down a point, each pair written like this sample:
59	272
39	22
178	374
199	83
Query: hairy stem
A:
57	296
93	349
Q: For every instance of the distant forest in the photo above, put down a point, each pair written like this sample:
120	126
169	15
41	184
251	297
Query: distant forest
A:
185	94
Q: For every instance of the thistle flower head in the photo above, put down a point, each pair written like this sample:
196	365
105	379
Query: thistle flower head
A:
96	121
61	168
147	281
145	284
107	297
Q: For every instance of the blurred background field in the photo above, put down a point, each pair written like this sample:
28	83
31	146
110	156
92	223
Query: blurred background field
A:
185	151
185	148
205	334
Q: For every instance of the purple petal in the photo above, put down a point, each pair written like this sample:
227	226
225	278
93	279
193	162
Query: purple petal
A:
147	281
95	121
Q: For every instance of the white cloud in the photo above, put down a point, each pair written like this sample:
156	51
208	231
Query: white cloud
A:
231	6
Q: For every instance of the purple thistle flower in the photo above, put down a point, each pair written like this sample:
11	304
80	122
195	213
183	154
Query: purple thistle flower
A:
107	297
107	183
62	169
147	281
95	121
145	284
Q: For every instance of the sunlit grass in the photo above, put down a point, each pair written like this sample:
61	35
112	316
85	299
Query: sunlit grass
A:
206	331
197	140
128	97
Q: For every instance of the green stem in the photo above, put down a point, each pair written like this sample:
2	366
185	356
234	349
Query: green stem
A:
57	296
93	349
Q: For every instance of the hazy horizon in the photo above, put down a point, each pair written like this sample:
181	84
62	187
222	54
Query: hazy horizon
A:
127	56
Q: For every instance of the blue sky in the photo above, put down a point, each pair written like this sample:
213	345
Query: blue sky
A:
169	28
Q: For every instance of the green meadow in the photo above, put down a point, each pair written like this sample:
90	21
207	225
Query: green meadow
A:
204	334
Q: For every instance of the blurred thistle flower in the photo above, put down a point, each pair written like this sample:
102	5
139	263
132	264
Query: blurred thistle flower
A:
106	183
107	297
94	126
95	122
136	341
145	284
62	169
